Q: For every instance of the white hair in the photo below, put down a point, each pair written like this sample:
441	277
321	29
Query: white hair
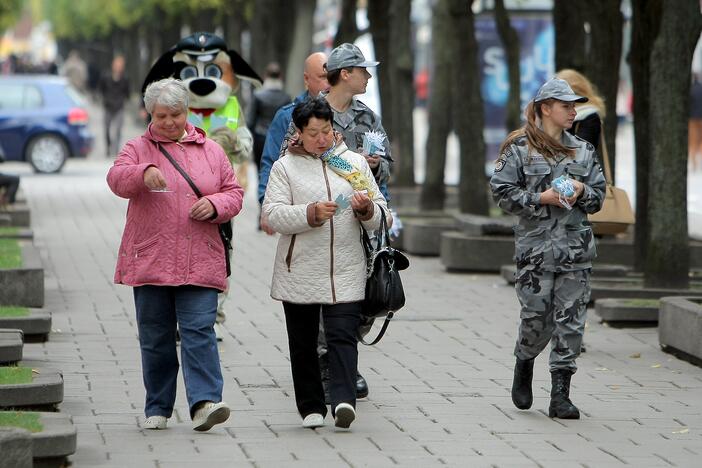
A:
168	92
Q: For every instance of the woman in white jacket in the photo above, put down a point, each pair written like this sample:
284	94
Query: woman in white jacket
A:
318	195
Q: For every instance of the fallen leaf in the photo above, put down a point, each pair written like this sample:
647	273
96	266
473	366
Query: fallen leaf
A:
635	355
656	366
35	371
682	431
614	387
602	369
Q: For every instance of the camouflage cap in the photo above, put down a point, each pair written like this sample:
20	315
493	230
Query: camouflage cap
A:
556	88
347	55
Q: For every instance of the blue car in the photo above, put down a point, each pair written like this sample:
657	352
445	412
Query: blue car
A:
43	121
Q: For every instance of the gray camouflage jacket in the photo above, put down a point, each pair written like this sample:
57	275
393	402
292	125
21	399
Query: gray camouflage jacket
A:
549	238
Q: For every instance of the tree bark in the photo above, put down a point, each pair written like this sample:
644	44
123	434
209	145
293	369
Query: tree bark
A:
271	32
467	110
401	71
645	25
378	11
301	45
433	189
347	30
603	58
568	23
510	43
668	261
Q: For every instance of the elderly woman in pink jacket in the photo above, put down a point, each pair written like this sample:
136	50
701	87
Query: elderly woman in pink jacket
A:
172	253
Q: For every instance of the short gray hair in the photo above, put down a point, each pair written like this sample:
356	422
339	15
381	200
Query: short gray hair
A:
168	92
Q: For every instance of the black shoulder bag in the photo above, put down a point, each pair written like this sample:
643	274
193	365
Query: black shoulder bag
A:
225	229
384	292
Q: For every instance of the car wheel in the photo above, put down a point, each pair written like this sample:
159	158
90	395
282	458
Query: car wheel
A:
47	153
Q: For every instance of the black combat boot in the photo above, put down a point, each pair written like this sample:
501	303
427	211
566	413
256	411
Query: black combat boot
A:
561	407
522	397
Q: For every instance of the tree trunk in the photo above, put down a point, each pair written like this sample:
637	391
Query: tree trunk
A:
270	32
668	261
569	30
605	53
433	189
401	71
645	24
378	11
300	45
347	30
510	43
467	110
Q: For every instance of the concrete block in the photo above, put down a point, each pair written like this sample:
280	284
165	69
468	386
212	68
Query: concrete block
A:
476	225
409	196
409	213
610	289
422	236
35	326
508	272
17	214
680	327
11	344
24	286
627	310
22	233
473	253
15	447
46	389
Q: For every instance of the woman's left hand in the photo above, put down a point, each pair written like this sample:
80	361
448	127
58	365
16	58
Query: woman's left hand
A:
360	202
579	187
202	210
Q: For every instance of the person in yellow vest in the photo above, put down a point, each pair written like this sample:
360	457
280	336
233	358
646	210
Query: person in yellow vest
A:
212	74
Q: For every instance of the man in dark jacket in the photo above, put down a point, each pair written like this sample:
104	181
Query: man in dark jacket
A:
114	91
266	101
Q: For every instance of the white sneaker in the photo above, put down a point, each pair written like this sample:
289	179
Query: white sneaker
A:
155	422
219	331
210	414
344	414
313	420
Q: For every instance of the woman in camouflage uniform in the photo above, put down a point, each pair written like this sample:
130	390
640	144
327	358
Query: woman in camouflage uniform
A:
554	245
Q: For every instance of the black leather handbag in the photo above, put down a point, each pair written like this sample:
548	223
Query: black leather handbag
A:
225	229
384	292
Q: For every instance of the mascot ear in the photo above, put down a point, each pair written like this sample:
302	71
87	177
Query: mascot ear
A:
163	68
242	69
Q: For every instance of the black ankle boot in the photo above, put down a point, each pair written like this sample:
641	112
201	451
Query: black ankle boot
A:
522	396
561	407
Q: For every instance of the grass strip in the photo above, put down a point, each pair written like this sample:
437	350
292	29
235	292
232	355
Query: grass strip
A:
11	311
25	420
10	253
15	375
9	231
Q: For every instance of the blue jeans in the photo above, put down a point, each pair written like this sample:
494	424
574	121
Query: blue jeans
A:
193	309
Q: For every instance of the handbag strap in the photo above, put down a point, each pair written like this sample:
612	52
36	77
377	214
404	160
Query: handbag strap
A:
383	238
180	169
605	155
381	332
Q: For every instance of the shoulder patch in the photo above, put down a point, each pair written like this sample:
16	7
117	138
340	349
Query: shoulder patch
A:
520	141
589	146
500	163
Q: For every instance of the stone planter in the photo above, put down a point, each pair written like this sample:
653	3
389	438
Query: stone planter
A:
36	326
11	344
476	225
422	236
627	310
15	447
18	233
402	197
16	215
629	288
407	214
44	392
24	286
680	327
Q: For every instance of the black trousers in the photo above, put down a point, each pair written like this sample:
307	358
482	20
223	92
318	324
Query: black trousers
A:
340	326
11	185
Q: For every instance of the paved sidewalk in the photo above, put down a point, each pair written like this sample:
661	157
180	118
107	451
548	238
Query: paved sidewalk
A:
439	381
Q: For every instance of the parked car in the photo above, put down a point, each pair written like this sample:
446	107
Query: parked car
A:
43	121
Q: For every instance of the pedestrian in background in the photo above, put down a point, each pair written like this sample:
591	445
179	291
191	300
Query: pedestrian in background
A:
172	254
590	115
113	89
76	71
554	243
265	103
320	262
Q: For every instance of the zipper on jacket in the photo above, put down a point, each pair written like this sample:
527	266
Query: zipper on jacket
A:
331	234
288	257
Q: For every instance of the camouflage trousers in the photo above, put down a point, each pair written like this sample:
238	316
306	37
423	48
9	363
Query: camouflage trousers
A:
553	309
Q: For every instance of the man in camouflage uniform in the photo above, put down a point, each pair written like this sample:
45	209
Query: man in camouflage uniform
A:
554	248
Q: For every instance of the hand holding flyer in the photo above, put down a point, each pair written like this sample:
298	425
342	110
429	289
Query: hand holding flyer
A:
373	143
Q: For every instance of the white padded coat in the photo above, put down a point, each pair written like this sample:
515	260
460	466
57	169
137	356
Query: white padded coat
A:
324	264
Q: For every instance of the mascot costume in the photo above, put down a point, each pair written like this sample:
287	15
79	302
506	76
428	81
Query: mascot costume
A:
212	74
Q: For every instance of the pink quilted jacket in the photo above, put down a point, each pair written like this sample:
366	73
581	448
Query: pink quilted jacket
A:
161	244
